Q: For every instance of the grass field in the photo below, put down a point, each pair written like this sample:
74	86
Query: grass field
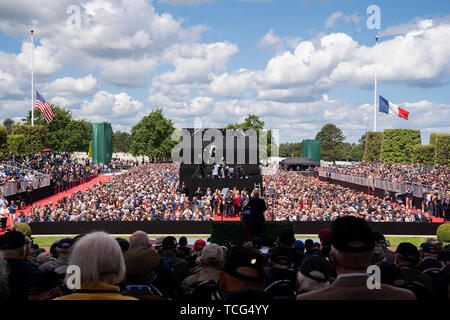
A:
47	241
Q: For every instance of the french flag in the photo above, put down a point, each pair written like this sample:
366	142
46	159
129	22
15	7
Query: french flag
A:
390	108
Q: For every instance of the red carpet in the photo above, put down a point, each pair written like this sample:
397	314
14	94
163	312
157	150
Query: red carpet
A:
56	197
219	218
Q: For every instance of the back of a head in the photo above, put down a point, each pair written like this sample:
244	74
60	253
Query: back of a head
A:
352	242
287	238
99	257
139	239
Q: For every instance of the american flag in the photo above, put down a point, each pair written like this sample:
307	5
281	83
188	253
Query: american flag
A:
46	110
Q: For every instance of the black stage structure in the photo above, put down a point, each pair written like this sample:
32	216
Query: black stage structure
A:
219	159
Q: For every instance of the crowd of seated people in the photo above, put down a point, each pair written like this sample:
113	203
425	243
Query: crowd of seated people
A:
152	192
436	177
336	268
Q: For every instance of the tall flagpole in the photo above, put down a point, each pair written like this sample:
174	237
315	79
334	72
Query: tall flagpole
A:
375	93
32	78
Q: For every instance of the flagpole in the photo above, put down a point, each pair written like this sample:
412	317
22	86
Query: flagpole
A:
32	78
375	93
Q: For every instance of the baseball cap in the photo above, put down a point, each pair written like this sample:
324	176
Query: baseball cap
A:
287	237
298	244
428	248
315	267
281	255
65	243
12	240
378	237
199	244
241	256
212	254
407	251
348	229
325	235
169	243
140	262
44	257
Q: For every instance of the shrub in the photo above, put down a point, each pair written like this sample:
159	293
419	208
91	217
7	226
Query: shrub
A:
35	137
441	155
443	232
233	231
16	143
24	228
3	140
398	145
423	154
372	149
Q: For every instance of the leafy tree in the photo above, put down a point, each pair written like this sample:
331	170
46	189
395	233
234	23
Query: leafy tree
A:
332	146
151	136
433	138
80	135
3	142
253	122
293	149
362	140
35	137
121	141
356	152
8	123
16	143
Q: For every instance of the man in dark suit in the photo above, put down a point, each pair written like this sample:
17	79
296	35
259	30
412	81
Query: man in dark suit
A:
255	216
352	250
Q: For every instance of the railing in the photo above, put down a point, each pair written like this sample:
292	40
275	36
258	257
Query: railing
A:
417	190
11	187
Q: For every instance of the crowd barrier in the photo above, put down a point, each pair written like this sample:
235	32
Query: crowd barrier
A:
204	227
418	190
14	187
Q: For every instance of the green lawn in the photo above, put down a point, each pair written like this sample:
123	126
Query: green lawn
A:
47	241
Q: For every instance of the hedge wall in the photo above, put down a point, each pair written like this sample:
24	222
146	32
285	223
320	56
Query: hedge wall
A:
14	141
398	145
433	138
233	231
423	154
3	142
442	147
372	149
35	137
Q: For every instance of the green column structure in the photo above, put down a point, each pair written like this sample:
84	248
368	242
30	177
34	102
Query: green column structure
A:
102	146
311	149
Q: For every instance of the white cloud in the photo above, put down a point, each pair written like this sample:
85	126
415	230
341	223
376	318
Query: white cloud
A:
107	105
186	2
332	20
272	42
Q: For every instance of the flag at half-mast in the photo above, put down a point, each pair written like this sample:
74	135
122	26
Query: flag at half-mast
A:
388	107
45	108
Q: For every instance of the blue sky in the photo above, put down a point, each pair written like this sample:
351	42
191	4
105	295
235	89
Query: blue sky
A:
298	64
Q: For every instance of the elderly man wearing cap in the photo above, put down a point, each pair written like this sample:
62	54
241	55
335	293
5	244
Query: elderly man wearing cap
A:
210	261
141	265
429	258
20	270
63	250
352	250
180	266
243	275
407	257
314	274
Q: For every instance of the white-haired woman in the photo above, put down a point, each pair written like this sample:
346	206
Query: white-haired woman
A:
101	266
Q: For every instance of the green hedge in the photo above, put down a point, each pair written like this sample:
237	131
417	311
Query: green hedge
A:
423	154
442	146
398	145
233	231
3	142
14	141
24	228
433	138
443	232
372	149
35	137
